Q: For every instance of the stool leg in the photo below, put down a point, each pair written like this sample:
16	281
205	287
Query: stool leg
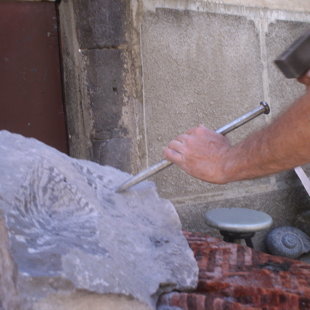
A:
228	239
227	236
248	242
234	237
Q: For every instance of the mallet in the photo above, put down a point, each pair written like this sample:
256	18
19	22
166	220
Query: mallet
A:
295	60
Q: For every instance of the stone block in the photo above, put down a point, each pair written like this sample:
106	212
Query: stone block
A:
101	23
198	68
105	88
9	298
114	152
78	109
69	241
84	301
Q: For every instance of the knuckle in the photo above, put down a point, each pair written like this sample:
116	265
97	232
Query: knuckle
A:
172	144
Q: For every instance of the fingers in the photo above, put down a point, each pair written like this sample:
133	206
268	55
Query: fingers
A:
179	149
180	139
305	79
176	145
194	130
190	131
173	155
174	151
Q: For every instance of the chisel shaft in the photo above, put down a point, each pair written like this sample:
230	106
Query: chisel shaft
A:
141	176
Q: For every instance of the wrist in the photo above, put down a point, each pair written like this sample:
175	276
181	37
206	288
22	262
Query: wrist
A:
230	166
223	170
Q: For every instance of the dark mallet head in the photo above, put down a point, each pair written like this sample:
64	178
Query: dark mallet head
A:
295	60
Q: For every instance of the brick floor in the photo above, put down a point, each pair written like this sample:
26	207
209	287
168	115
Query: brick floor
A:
235	277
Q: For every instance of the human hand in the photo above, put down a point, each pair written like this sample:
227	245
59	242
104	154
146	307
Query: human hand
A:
201	153
305	79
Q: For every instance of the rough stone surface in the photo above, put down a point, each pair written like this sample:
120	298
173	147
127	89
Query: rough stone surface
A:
104	69
9	298
101	22
115	151
102	81
77	105
111	144
68	231
89	301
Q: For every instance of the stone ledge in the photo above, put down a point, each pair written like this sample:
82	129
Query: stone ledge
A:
290	5
284	5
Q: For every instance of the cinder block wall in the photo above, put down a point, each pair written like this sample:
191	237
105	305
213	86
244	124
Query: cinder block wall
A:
138	73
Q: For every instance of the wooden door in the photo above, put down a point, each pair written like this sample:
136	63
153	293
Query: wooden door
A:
31	99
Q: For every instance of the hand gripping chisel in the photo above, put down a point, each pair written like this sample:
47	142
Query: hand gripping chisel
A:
262	109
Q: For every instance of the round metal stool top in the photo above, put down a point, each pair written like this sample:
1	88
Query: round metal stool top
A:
238	219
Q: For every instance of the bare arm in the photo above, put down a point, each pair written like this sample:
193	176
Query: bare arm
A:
283	145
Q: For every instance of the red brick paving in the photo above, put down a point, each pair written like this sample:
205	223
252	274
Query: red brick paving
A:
235	277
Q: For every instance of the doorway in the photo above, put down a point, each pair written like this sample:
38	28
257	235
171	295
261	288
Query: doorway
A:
31	98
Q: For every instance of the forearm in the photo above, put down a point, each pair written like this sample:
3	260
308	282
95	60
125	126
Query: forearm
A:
283	145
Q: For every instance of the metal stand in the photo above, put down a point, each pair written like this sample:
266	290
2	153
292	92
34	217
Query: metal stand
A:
235	237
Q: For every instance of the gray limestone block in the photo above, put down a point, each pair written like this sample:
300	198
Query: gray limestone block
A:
9	298
101	23
65	233
89	301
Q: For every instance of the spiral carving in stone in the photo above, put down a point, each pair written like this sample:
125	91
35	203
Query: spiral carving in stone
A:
287	241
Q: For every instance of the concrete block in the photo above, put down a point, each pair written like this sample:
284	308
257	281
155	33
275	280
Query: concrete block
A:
101	23
174	183
105	88
198	68
283	91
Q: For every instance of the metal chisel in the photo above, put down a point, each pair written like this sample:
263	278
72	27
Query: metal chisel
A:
262	109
